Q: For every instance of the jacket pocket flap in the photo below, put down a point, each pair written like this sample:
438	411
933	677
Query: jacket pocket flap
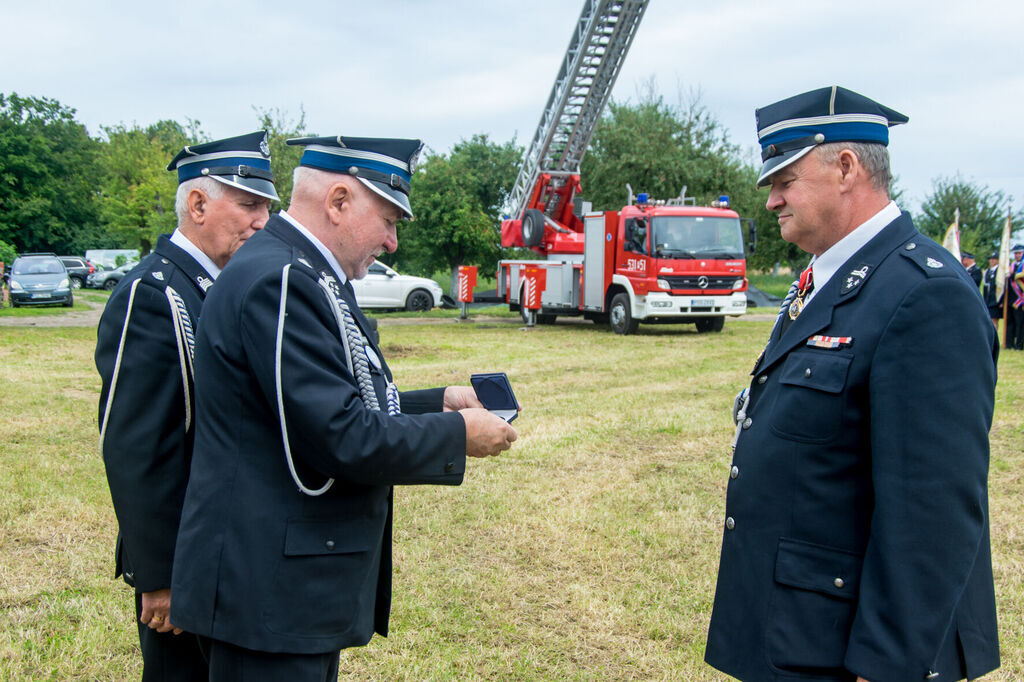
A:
831	571
819	371
311	538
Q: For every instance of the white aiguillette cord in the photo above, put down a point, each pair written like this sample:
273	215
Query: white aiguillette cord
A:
355	357
183	336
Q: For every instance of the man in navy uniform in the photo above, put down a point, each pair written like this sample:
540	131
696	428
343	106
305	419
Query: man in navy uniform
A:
993	301
284	551
856	539
144	356
1015	307
973	271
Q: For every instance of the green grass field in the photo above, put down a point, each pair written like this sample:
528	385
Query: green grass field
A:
587	552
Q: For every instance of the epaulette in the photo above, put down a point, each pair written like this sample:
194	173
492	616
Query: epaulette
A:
933	260
157	273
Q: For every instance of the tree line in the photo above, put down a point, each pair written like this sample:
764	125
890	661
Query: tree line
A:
64	190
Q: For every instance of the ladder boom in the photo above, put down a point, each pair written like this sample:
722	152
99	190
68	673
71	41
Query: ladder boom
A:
597	48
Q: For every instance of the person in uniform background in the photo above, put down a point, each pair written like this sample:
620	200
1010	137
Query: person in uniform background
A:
993	301
144	357
1015	309
284	551
967	260
856	539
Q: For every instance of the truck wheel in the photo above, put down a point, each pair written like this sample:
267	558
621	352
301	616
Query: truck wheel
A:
533	227
620	316
419	300
710	324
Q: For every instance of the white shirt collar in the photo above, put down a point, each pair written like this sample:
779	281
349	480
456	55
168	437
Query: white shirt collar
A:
186	245
826	265
324	251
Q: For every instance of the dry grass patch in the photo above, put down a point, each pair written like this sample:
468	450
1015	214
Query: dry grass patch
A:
587	552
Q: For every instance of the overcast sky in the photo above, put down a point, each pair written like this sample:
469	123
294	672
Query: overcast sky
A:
446	69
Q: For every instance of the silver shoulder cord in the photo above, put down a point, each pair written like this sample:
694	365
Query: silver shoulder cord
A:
356	368
184	337
117	364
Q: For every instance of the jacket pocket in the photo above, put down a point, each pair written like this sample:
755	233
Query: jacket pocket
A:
809	404
813	603
326	577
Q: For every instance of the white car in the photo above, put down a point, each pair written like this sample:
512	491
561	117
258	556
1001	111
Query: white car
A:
384	288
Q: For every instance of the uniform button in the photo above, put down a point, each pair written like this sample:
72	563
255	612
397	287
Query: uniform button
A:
734	472
329	544
747	422
449	467
839	582
763	378
807	372
911	246
730	523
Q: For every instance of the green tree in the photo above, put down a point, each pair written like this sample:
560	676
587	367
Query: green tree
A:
283	157
137	189
457	200
48	180
7	254
982	214
661	149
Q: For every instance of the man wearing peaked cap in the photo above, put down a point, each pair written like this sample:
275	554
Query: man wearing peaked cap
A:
990	292
856	534
1015	307
973	271
144	356
284	551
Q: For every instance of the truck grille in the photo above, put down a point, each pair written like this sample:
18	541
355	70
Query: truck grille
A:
695	281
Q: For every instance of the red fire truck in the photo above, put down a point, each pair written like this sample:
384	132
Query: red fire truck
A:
651	261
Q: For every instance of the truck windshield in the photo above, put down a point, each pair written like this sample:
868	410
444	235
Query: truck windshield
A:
696	237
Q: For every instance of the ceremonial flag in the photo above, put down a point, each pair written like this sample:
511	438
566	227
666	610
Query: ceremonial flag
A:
952	239
1004	258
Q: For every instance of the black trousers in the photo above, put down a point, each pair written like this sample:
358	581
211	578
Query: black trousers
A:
167	657
230	663
1015	328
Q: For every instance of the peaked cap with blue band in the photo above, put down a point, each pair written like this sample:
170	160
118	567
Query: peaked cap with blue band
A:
242	162
788	129
383	165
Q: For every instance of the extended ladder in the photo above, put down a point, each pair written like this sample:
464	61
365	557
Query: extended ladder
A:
597	48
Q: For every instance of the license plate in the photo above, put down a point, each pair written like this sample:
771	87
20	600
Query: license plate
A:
700	303
40	296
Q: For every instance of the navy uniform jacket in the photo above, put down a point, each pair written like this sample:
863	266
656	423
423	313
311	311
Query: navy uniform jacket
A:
974	272
856	535
989	292
260	564
147	437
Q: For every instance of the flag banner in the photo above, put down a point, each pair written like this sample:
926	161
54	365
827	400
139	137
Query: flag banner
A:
1004	258
951	242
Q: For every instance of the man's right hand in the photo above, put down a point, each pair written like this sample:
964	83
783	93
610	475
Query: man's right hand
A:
486	434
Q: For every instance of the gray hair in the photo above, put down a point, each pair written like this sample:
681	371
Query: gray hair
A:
212	189
873	157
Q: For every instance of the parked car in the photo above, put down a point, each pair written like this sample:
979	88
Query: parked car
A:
108	279
78	269
384	288
39	279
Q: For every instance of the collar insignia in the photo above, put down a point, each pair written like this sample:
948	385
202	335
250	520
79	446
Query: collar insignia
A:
204	282
157	275
855	278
